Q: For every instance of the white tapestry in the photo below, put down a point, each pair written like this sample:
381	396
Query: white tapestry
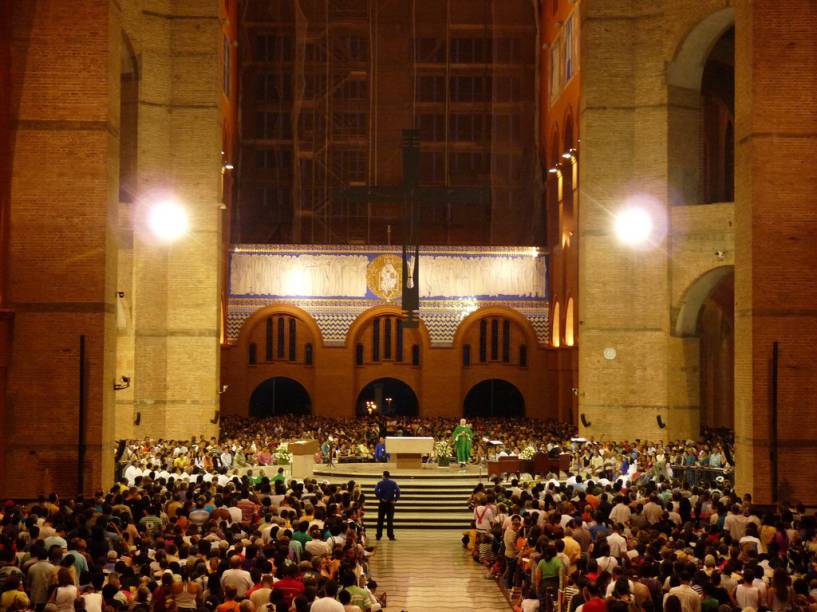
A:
298	275
452	276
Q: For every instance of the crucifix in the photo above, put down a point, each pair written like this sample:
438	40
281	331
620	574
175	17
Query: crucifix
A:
410	195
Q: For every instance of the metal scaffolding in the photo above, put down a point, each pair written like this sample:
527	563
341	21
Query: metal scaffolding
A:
326	87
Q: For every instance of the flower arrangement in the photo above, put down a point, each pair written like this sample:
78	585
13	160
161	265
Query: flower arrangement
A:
442	452
527	453
282	455
363	451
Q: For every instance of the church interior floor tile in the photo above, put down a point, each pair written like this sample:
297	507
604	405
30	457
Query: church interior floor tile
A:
425	570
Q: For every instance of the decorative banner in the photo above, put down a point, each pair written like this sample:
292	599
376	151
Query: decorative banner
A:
336	284
372	272
384	277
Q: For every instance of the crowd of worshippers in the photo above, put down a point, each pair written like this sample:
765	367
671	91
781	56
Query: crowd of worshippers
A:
172	546
248	443
657	545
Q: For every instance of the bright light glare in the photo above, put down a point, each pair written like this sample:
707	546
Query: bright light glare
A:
633	226
168	221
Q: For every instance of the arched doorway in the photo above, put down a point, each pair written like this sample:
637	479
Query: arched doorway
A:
707	312
279	395
391	397
716	330
494	398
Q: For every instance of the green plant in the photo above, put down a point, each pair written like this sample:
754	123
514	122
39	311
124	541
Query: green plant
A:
282	455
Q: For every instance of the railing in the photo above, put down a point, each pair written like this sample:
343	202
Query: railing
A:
699	475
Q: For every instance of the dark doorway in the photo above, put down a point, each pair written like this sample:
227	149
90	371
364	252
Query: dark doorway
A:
716	330
391	397
494	398
279	395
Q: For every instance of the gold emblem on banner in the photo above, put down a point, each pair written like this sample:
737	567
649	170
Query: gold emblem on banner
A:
384	276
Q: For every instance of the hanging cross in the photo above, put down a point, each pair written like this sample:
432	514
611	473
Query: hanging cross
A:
410	194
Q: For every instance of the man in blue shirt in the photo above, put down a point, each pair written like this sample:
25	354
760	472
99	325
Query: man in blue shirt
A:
387	492
380	454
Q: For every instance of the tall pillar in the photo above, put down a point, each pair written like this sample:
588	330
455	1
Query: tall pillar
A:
176	287
624	356
61	254
776	219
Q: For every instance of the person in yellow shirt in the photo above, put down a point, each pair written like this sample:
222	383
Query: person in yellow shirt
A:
14	597
573	550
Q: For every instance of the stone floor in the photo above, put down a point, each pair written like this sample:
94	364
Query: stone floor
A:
426	570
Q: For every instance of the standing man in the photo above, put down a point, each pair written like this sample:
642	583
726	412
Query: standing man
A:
463	435
387	492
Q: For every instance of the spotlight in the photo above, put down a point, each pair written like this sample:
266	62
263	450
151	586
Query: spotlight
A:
229	167
633	226
553	170
168	221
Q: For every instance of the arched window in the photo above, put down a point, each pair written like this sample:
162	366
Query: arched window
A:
281	337
569	323
556	338
718	100
268	340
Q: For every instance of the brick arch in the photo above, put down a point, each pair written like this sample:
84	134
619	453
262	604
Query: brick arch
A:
687	65
694	296
285	309
496	311
363	319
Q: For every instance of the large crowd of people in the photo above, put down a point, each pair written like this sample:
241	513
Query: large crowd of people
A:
628	526
252	443
652	544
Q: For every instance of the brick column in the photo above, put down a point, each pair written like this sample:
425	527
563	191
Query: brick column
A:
623	292
176	287
62	252
776	219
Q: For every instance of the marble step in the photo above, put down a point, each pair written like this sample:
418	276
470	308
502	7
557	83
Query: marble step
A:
420	506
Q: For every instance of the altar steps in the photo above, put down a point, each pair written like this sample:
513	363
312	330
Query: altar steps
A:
427	501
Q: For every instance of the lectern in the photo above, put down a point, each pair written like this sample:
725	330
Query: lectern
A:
303	457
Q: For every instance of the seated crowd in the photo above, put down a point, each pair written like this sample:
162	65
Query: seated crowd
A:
651	544
248	443
168	545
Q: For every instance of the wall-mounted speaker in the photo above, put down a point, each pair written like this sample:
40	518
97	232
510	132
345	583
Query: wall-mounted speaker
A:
137	420
216	417
661	423
585	422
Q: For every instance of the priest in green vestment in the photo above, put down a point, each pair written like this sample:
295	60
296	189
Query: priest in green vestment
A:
463	436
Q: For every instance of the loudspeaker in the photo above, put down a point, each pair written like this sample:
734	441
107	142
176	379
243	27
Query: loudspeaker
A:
137	419
585	422
216	417
660	421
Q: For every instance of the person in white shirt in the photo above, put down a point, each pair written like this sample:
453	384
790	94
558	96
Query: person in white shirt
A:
746	595
260	597
484	514
237	577
617	542
621	512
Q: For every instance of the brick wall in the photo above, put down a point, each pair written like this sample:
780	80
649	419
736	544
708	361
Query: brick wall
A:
440	382
61	257
775	219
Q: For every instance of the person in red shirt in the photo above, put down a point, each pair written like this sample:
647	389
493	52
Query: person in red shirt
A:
290	586
593	603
